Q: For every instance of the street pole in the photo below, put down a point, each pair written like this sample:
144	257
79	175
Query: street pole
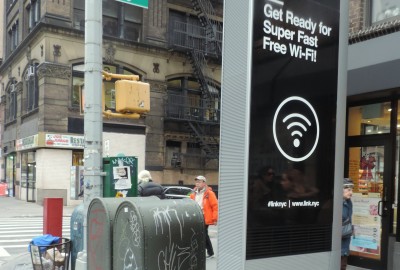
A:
93	117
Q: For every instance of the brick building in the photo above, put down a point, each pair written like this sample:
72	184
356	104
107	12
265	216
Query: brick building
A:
173	45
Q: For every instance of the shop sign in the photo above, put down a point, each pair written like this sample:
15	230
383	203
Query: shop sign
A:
64	141
26	143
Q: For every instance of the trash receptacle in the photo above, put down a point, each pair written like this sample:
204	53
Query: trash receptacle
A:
51	257
159	234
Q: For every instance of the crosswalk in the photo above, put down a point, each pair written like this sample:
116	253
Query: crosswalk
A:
16	233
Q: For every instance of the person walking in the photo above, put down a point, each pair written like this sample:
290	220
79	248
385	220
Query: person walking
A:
147	187
208	203
347	228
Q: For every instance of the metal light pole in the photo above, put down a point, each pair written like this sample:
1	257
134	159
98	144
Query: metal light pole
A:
93	117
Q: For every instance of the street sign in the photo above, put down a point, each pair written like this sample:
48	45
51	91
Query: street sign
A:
139	3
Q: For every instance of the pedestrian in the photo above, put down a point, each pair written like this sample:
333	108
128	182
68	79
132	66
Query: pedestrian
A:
347	228
208	202
147	187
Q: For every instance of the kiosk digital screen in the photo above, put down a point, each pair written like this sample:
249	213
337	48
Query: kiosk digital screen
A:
292	127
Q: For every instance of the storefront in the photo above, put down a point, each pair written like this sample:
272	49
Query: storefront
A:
372	162
372	151
41	164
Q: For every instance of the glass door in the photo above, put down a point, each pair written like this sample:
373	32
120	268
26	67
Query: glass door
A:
31	183
371	218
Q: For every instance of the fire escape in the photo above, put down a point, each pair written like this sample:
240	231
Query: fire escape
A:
202	44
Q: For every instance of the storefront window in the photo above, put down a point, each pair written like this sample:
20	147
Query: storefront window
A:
384	10
369	119
77	158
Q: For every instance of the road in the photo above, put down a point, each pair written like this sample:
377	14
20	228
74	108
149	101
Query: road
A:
17	232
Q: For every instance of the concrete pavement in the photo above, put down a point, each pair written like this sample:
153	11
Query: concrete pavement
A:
11	207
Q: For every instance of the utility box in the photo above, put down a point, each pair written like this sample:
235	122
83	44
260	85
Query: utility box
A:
132	96
121	176
159	234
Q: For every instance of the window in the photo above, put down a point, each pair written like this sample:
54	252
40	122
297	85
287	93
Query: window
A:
173	153
77	84
121	20
188	31
33	10
384	10
186	100
12	37
79	14
31	89
369	119
77	158
78	81
11	106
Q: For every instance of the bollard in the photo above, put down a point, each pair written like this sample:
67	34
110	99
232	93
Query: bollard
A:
162	234
52	216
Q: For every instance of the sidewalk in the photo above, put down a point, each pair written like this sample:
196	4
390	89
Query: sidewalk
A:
16	208
11	207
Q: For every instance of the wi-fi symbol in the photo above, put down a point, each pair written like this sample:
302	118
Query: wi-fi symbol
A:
298	126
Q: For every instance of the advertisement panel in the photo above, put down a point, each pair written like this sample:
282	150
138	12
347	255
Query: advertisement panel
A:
292	127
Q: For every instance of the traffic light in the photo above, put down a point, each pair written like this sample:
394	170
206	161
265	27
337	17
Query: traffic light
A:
132	97
128	98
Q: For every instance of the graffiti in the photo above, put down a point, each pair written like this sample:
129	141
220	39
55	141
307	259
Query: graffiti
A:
173	255
96	230
130	260
134	226
124	160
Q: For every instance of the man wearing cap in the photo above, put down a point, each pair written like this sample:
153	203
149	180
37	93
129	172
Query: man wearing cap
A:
208	202
346	219
146	186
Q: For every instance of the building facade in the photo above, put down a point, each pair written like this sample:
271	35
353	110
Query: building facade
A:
175	46
372	143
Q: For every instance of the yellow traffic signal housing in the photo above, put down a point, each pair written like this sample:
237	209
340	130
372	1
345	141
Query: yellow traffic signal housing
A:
132	97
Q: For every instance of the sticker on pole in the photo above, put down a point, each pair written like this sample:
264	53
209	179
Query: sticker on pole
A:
296	128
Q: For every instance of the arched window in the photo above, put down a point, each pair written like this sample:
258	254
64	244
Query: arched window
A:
11	103
78	81
30	89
